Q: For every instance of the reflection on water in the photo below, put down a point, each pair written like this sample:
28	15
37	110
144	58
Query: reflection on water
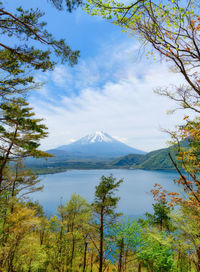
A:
135	196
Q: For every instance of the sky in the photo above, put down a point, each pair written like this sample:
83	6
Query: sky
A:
111	89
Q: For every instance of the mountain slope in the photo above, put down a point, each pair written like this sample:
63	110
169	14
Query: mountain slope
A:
99	144
155	160
63	160
158	159
127	161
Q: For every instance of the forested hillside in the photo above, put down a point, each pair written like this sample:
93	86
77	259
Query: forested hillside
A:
94	237
155	160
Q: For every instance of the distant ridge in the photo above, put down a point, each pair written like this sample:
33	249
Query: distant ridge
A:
63	160
154	160
98	144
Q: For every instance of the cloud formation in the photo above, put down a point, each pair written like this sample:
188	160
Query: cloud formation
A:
113	93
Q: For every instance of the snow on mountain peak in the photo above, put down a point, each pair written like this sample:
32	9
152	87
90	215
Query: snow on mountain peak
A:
96	137
98	144
99	136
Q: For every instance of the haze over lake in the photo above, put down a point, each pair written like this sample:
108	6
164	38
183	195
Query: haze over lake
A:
135	196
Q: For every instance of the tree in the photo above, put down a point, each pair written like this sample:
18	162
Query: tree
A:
33	48
160	217
19	136
70	5
17	226
171	29
76	216
125	242
187	239
156	252
67	250
104	208
21	181
26	47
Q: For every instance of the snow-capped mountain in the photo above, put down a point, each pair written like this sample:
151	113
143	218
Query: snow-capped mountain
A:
99	144
97	137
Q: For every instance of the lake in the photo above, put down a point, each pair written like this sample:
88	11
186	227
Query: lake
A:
135	196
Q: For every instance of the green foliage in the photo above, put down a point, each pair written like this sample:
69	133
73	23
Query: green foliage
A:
161	216
20	133
19	181
75	240
76	213
71	241
157	251
156	254
125	241
104	195
154	160
128	229
70	5
128	160
17	62
104	209
187	238
26	25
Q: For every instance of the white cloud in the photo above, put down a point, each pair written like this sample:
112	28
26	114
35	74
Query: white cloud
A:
61	76
43	91
121	139
115	96
87	74
72	140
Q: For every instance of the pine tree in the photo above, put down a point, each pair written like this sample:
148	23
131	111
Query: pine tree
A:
20	134
18	59
104	209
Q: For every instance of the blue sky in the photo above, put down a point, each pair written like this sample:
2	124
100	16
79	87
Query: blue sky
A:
111	89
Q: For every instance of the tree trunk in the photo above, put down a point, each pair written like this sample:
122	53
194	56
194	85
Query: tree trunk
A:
125	260
5	160
140	266
13	189
42	232
101	241
197	263
85	256
10	262
72	256
189	266
150	266
91	264
121	255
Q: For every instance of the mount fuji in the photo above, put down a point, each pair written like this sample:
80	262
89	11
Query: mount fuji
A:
97	145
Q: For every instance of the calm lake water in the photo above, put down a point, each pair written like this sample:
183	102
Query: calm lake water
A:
135	196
